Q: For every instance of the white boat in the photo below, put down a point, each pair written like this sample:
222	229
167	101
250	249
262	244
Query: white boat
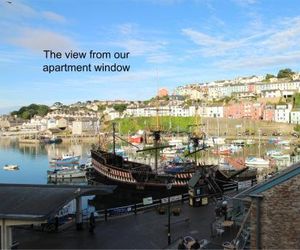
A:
11	167
283	142
238	142
256	162
214	140
65	159
278	155
66	173
176	143
176	147
250	142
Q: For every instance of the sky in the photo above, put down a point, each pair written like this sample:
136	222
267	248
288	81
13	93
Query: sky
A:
170	43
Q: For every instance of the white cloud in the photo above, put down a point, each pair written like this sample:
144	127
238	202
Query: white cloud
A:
158	58
281	36
245	2
20	11
40	39
284	38
212	46
16	10
139	47
261	61
53	16
127	29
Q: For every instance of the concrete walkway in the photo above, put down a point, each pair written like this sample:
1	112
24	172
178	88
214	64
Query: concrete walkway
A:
142	231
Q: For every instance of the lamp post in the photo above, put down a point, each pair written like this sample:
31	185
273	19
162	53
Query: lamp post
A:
169	186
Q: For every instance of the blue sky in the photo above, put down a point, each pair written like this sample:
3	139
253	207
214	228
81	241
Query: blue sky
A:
171	43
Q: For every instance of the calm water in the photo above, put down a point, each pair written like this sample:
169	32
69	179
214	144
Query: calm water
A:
33	160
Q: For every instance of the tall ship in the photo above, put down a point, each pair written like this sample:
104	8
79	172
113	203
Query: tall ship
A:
140	179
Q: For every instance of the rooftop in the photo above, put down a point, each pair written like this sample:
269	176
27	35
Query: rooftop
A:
39	202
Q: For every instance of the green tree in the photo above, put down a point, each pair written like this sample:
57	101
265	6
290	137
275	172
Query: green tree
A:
285	73
27	112
268	76
120	107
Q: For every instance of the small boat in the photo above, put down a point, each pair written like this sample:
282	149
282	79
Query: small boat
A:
66	173
65	159
11	167
55	140
257	162
224	150
277	155
212	141
178	165
238	142
250	142
176	147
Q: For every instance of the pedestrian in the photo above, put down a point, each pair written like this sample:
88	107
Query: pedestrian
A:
92	223
196	245
56	223
181	244
224	209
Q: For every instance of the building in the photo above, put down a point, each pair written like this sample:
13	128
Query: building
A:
271	211
162	92
269	113
282	113
62	123
295	116
85	127
214	111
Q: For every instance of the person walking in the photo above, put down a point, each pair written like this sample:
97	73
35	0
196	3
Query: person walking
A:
92	223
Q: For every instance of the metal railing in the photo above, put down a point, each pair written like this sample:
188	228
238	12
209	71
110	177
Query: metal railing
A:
133	209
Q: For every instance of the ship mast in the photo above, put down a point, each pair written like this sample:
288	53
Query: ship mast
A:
195	137
156	135
114	138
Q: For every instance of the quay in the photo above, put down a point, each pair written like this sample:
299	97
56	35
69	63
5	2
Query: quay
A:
142	231
28	205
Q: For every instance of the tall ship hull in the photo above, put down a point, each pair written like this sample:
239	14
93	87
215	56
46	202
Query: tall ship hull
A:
135	177
139	179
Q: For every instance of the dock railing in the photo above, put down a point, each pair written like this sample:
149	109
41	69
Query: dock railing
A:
138	208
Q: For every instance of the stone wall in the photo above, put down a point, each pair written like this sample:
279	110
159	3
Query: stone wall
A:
280	217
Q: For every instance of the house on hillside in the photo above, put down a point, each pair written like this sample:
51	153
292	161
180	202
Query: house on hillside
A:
282	113
295	116
85	127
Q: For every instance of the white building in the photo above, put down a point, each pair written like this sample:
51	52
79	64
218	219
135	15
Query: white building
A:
214	111
282	113
171	110
51	123
85	126
295	116
272	93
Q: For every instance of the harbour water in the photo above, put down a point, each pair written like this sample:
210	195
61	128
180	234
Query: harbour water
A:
33	159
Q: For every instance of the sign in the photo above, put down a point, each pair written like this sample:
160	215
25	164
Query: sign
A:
147	201
172	199
119	210
204	201
244	184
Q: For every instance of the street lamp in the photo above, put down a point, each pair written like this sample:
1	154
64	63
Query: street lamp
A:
169	186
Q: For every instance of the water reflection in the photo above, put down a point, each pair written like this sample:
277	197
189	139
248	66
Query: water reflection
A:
33	159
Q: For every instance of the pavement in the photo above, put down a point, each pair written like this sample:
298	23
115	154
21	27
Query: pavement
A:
142	231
